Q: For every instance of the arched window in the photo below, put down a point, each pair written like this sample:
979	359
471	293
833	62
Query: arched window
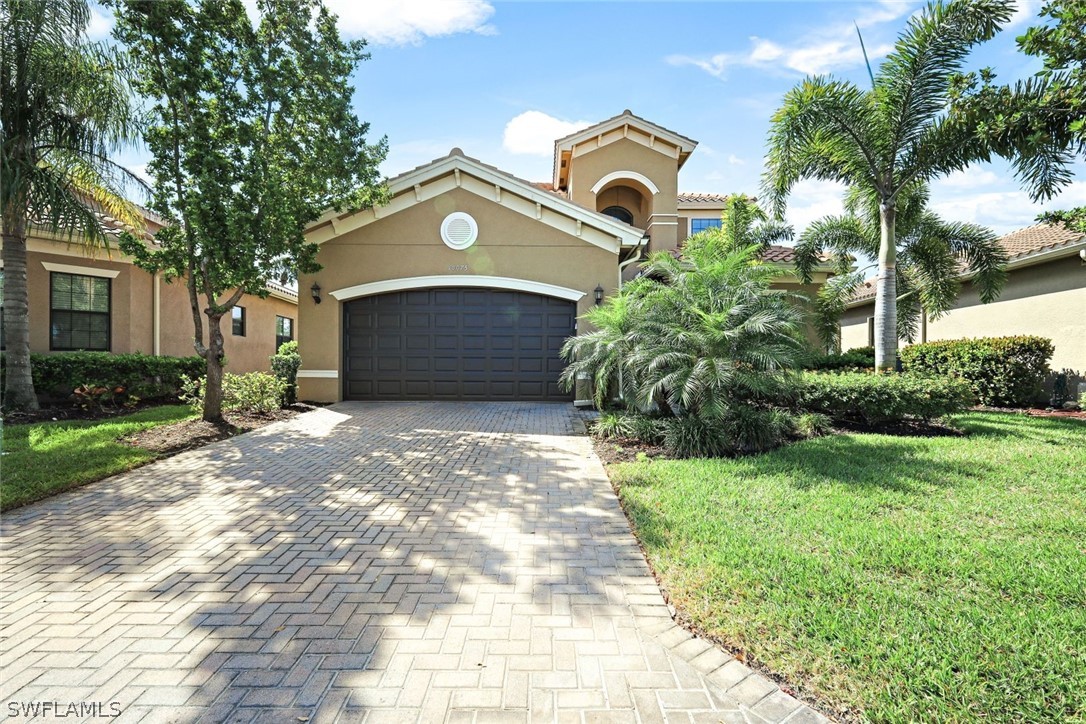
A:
618	212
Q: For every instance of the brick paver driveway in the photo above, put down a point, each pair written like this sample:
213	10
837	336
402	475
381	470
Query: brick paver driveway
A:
376	562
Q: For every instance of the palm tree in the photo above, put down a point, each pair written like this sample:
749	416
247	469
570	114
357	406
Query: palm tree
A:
65	106
931	256
898	135
698	333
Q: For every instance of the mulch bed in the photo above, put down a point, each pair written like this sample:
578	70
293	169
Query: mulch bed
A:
626	450
189	434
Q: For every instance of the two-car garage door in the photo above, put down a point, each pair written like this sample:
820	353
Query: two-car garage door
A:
455	344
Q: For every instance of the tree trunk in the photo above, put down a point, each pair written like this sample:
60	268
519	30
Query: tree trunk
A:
886	292
213	393
18	385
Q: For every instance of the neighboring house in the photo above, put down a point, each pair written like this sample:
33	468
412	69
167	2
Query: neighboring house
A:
465	285
1045	295
101	301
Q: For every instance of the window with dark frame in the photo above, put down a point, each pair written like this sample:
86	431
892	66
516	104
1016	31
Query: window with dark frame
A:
284	331
870	331
79	312
620	213
237	318
697	225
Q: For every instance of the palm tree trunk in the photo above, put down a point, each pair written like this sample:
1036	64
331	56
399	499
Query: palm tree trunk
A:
18	384
213	393
886	292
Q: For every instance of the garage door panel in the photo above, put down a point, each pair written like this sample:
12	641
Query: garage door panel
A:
455	344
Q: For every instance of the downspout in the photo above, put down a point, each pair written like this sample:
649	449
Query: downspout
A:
156	313
636	256
642	242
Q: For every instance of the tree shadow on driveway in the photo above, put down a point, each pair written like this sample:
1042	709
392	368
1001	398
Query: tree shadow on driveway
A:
414	558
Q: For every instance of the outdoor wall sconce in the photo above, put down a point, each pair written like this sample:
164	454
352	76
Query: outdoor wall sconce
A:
599	294
315	290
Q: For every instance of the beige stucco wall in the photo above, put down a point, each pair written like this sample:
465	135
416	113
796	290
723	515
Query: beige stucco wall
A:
132	309
130	298
626	155
1048	300
243	354
408	244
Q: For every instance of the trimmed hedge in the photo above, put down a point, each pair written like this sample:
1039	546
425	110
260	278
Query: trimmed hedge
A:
145	376
1002	371
871	399
859	358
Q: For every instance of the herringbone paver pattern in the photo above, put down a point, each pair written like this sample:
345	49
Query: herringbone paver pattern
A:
365	562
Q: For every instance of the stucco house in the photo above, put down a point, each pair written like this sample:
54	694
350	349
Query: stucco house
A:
1045	295
101	301
467	282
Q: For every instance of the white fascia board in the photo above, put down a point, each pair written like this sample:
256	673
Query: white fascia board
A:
647	128
456	280
438	178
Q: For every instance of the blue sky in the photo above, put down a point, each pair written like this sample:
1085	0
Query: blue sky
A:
502	80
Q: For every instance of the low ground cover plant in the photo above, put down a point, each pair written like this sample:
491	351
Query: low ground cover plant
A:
1002	371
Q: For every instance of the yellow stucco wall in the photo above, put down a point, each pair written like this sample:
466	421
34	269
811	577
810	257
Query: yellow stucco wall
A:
1048	300
408	244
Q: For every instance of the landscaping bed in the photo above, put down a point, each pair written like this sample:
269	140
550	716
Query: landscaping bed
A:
887	578
188	434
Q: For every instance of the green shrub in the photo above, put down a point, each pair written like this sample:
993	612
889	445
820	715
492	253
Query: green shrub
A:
1002	371
612	424
252	392
56	376
812	424
861	358
647	429
739	430
870	398
285	365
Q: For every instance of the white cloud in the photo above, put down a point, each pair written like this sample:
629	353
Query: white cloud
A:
409	22
1001	210
101	22
534	133
970	178
823	50
812	200
735	160
1025	12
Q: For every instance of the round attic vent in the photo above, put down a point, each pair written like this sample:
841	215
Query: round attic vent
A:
459	230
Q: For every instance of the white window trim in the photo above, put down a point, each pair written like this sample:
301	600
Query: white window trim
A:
87	271
454	280
319	374
631	175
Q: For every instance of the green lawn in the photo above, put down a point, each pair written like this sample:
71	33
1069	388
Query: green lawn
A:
905	579
47	457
